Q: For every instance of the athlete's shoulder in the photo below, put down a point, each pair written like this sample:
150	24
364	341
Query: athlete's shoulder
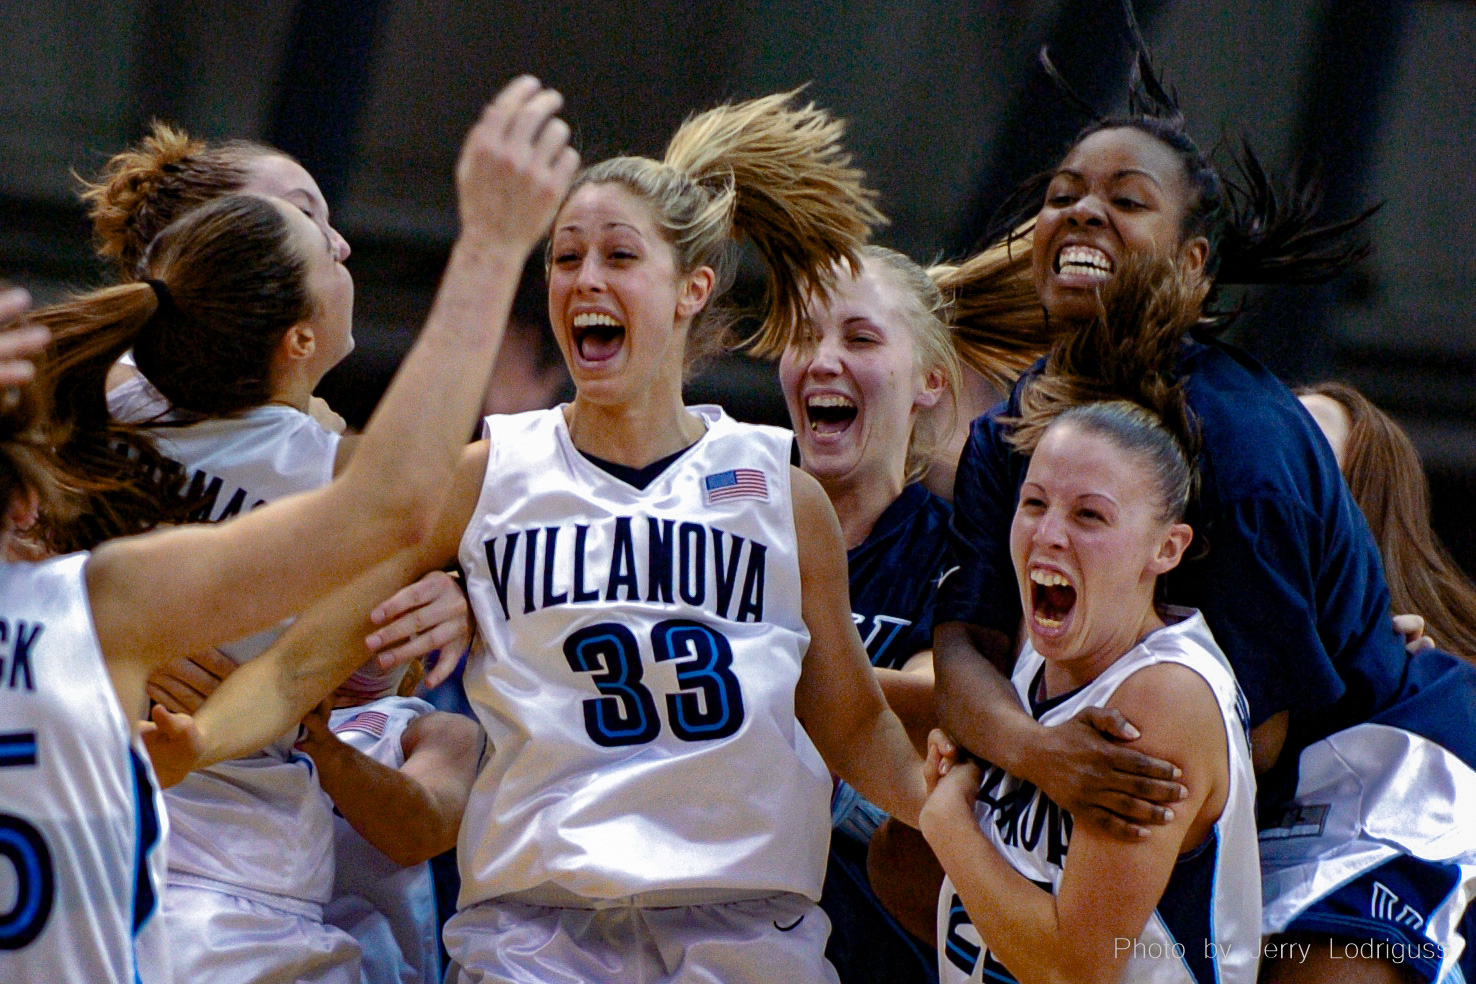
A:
502	427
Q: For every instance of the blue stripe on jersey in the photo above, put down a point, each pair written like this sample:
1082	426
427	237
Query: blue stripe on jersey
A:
894	576
18	748
146	838
1187	907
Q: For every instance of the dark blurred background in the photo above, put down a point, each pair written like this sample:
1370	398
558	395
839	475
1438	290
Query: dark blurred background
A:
947	106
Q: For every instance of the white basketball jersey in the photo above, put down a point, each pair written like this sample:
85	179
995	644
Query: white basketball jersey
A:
636	661
389	909
81	822
1206	928
258	823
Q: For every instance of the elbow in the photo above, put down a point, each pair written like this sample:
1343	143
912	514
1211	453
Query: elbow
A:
408	519
435	838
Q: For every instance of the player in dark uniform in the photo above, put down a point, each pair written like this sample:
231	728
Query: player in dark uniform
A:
1290	583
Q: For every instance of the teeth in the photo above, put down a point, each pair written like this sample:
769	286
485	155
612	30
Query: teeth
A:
1050	579
1087	256
590	320
1047	623
830	400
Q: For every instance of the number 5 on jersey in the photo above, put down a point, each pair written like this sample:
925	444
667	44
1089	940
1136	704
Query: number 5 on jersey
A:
708	707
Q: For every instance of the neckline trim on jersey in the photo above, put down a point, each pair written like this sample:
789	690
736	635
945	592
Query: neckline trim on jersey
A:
711	415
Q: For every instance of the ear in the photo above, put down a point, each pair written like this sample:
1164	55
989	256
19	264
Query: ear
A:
1171	549
933	388
1195	253
299	342
696	289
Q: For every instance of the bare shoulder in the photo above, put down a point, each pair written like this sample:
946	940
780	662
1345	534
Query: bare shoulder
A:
1171	704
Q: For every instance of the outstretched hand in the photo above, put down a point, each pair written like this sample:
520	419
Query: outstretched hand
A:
174	743
515	166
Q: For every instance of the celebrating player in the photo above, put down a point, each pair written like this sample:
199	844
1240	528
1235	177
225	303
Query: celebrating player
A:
661	600
1290	582
1099	521
82	632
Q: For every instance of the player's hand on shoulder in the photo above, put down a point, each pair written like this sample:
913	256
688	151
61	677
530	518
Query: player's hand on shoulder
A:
174	744
515	166
183	684
1087	768
326	416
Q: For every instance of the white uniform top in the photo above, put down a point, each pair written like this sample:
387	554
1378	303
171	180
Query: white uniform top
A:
1206	928
389	909
257	824
81	858
635	669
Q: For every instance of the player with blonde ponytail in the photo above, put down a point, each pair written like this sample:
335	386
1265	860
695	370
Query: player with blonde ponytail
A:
665	648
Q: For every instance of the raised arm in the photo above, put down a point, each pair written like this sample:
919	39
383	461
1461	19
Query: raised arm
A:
1109	887
838	699
184	589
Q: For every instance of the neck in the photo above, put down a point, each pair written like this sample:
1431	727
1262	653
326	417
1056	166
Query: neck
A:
635	433
860	500
293	389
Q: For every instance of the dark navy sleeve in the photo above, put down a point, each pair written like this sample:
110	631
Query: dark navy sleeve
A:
982	590
1259	594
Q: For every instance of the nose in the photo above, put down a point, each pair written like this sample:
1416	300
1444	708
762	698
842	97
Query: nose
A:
825	358
590	277
341	248
1086	211
1050	531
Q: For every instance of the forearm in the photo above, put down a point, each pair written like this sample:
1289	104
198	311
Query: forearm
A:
878	758
910	695
976	704
419	426
1015	918
269	695
387	808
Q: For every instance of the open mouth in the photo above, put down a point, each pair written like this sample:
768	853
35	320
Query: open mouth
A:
597	337
1052	598
830	413
1084	261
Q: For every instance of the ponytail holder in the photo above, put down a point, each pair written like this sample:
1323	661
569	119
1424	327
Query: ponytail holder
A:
161	294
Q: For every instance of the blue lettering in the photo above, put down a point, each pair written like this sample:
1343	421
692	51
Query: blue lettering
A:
692	581
581	593
659	551
622	564
499	583
751	608
727	575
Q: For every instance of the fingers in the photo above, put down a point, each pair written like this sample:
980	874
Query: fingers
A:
504	106
441	671
433	586
427	615
1110	722
14	301
17	348
173	694
1154	772
1112	825
530	120
1419	645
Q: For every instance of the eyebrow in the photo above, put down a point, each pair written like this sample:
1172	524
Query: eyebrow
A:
607	225
1126	172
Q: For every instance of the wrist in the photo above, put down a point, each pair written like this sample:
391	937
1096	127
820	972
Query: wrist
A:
483	248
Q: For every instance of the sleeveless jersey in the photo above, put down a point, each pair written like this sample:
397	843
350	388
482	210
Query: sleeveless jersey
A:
1206	928
81	821
257	824
635	669
389	909
894	576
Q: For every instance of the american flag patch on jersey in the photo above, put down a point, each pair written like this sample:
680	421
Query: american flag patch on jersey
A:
369	722
736	483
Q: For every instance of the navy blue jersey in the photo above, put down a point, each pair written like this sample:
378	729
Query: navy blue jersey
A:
1290	579
894	577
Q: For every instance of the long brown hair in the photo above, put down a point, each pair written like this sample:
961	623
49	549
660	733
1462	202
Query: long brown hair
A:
144	189
222	287
1388	482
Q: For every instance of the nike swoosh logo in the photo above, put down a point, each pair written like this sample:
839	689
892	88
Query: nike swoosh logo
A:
785	929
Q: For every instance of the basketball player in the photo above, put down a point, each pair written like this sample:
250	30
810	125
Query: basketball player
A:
1291	585
82	819
660	598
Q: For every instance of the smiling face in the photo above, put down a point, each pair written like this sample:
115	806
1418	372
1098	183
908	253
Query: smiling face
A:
619	306
854	385
1119	191
275	176
1088	543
